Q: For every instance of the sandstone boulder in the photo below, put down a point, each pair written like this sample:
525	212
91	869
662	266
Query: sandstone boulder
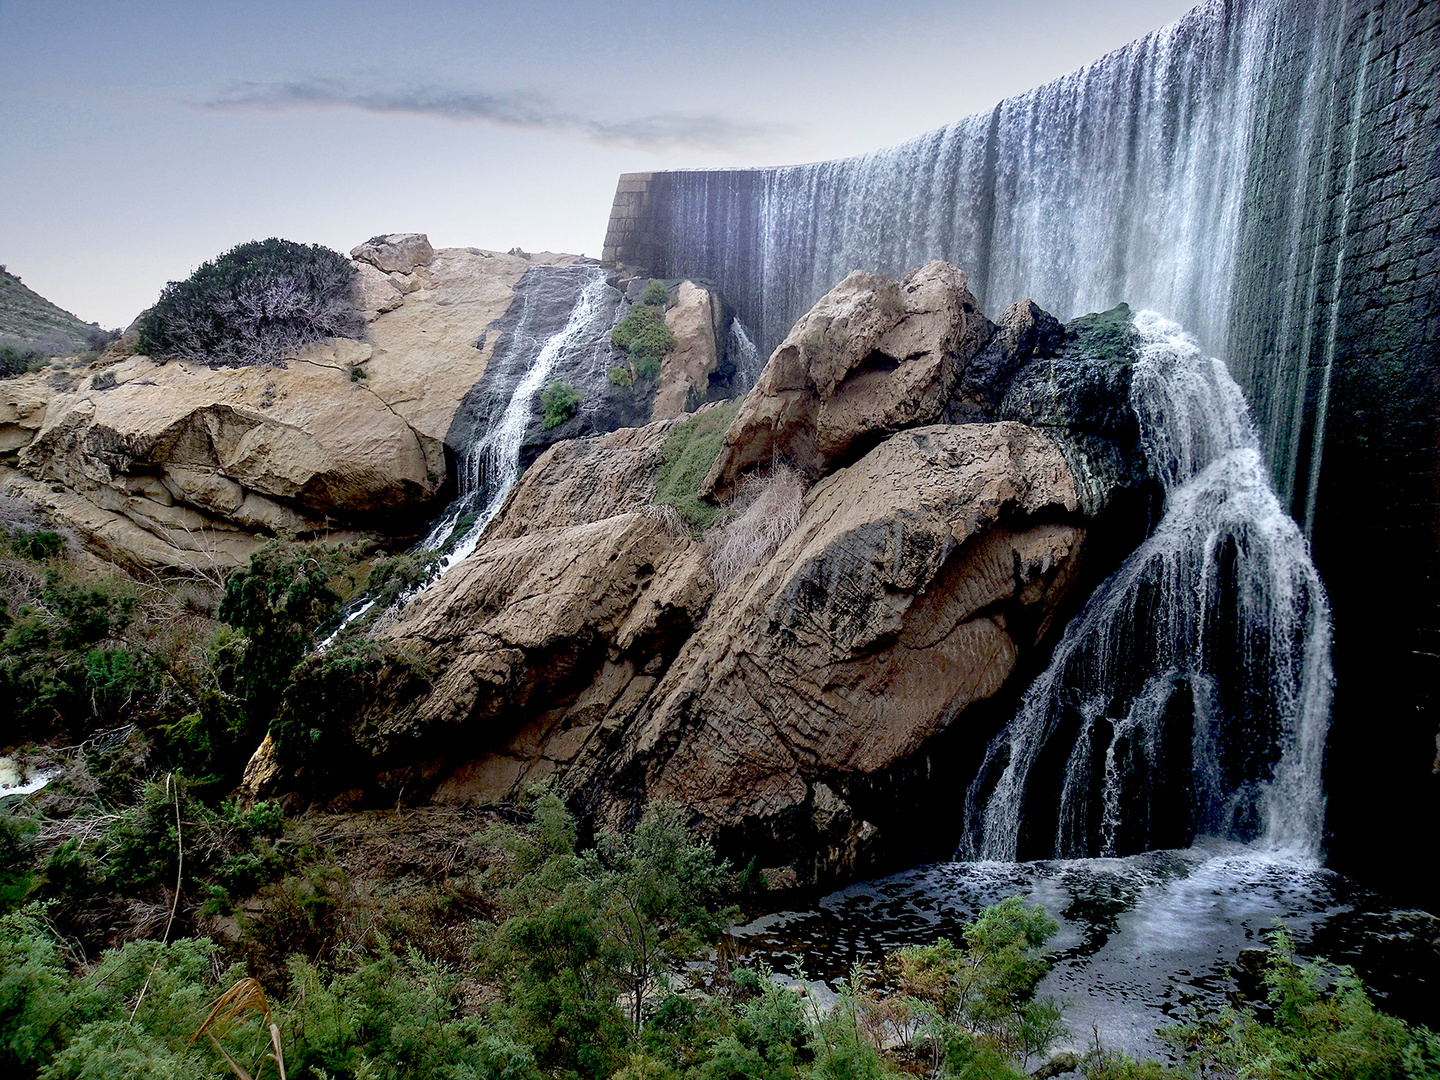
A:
535	641
871	357
396	253
915	580
685	373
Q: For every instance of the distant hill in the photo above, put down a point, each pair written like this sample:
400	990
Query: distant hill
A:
28	320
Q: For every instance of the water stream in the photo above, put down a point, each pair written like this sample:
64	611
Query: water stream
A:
1191	695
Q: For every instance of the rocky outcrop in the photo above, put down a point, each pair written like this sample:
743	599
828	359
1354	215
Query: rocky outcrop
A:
915	580
871	357
163	466
798	708
395	253
695	320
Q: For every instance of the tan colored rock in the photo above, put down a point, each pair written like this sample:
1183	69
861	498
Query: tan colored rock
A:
684	382
262	772
348	436
870	358
23	402
395	253
376	291
899	601
535	640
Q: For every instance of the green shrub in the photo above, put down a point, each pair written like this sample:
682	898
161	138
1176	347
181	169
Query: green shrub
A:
655	294
16	835
983	995
1323	1026
621	376
32	992
588	930
21	359
104	381
37	545
254	304
560	402
647	367
643	333
688	454
277	603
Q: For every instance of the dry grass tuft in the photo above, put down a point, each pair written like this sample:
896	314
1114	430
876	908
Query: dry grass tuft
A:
775	503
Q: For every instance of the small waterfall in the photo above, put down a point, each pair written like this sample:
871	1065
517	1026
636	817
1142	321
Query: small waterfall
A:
558	327
1191	696
531	355
746	357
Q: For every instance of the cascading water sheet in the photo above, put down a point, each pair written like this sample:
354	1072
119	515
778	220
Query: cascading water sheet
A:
745	356
536	348
1191	696
489	467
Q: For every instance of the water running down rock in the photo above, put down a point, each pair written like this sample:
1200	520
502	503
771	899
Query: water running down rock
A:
1191	696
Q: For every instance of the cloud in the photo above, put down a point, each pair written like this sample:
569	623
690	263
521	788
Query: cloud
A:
528	111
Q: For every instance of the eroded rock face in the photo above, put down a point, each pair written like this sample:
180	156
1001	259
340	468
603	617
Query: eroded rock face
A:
174	465
870	358
536	640
914	581
797	711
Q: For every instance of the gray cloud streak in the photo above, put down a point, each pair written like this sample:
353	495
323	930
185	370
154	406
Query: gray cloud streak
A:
515	109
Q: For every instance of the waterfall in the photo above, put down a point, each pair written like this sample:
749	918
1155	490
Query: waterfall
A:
557	327
745	356
1214	170
1191	695
533	351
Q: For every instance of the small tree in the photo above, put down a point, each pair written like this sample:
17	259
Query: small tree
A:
589	929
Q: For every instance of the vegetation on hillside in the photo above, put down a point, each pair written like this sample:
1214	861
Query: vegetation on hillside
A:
688	453
30	324
256	304
153	926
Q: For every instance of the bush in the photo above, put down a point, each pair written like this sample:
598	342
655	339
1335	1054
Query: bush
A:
277	602
655	295
1313	1033
647	367
37	545
643	333
16	836
315	726
21	359
621	376
254	304
560	402
688	454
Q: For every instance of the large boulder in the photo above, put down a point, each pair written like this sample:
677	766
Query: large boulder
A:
871	357
695	321
395	253
915	581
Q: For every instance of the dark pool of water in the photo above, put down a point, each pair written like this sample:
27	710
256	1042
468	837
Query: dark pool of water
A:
1144	941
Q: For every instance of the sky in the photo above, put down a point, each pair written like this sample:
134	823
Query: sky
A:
139	138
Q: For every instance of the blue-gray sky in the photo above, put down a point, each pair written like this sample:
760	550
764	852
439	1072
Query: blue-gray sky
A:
142	137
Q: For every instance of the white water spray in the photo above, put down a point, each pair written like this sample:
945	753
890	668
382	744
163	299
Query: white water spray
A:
1218	617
